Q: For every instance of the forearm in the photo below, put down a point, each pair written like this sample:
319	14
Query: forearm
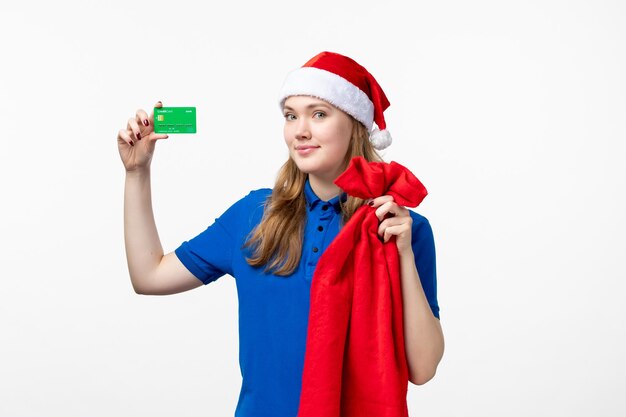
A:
143	246
423	337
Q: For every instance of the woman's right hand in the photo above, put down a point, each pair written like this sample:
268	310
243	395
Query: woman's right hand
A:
136	143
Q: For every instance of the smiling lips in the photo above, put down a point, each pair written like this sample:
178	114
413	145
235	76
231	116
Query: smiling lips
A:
304	150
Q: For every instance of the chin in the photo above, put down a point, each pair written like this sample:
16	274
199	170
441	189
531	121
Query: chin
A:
313	166
306	168
304	165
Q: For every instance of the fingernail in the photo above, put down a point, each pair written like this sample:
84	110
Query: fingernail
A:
371	203
145	123
132	143
138	136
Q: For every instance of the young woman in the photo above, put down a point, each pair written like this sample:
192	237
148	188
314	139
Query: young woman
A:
271	240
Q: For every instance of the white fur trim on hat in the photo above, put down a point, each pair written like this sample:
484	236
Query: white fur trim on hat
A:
332	88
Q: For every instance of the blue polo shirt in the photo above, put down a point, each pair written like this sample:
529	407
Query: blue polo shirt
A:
273	310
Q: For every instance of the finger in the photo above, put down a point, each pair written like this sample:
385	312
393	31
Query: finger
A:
388	207
151	118
394	221
400	211
142	117
391	209
123	135
394	231
133	127
378	201
156	136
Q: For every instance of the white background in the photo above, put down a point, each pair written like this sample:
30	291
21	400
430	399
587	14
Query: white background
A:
511	113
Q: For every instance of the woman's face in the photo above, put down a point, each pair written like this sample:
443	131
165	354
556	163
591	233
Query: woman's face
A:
317	135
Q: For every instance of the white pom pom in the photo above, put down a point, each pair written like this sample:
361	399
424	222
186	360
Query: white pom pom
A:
380	138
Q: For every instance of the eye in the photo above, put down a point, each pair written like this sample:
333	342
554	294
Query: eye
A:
319	114
289	116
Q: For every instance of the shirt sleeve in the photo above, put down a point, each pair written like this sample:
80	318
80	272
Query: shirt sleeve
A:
423	244
209	255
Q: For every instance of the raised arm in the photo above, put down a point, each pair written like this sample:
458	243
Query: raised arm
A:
150	271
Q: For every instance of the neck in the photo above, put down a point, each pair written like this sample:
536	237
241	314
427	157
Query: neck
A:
324	189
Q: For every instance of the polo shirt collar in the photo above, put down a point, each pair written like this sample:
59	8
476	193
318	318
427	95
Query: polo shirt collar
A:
312	200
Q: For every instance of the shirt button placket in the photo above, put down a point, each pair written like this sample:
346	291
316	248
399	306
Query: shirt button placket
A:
321	227
322	215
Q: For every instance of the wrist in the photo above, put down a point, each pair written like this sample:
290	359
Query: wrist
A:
406	253
138	173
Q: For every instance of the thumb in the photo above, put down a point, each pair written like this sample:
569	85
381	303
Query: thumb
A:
155	136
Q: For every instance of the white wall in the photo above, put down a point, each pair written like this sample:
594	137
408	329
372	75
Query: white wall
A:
511	113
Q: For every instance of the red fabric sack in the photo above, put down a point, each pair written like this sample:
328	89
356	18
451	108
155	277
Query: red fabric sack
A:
355	364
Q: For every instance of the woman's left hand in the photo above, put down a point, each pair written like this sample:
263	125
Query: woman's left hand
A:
395	221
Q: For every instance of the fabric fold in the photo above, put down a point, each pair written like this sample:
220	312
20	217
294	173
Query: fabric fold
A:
355	363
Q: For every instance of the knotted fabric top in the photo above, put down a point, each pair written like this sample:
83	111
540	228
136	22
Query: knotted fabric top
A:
355	363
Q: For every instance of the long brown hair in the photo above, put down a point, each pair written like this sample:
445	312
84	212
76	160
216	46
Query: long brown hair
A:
277	240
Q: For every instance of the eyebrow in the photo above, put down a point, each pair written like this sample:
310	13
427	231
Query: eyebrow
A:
310	106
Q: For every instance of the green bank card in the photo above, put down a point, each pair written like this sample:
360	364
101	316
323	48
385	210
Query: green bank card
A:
175	120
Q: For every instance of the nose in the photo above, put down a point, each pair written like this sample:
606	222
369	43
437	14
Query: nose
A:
302	130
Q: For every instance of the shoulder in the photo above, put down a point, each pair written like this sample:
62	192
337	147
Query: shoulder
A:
420	228
253	200
256	198
419	220
245	213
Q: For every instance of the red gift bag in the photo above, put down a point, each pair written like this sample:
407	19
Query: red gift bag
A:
355	363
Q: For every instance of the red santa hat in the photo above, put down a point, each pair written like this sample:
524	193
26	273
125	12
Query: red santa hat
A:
345	84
